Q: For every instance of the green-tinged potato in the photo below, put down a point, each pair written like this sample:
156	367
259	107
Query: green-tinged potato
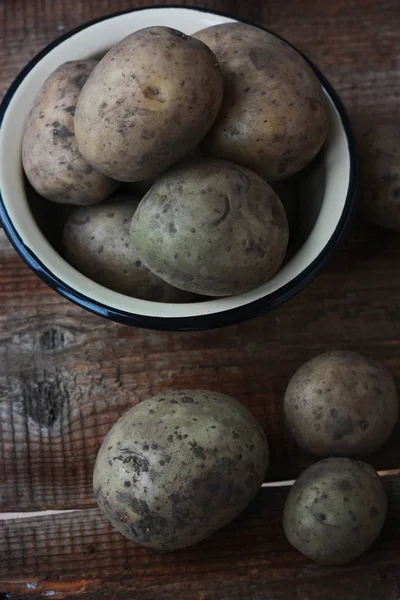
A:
380	174
335	510
97	242
179	466
341	403
273	117
211	227
149	101
50	154
142	187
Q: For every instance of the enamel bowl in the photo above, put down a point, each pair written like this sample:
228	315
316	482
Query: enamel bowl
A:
327	190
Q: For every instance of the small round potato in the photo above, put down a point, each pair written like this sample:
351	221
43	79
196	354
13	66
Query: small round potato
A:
150	100
50	155
341	403
179	466
97	242
335	510
273	117
211	227
380	171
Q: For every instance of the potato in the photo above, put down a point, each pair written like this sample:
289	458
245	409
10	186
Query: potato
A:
142	187
96	241
341	403
288	195
380	174
50	155
274	115
150	100
335	510
179	466
211	227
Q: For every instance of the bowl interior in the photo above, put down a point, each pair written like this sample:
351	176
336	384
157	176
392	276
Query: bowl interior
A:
322	187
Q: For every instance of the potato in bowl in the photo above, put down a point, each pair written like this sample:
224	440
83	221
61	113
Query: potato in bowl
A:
326	193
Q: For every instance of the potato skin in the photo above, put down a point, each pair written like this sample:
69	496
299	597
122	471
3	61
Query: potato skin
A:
211	227
341	403
335	510
96	241
273	117
179	466
288	194
380	174
150	100
50	155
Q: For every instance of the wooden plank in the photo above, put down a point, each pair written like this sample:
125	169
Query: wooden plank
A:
79	555
66	375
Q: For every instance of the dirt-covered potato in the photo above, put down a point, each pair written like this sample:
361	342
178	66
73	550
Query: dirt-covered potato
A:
341	403
149	101
179	466
50	155
288	194
335	510
97	242
211	227
380	173
273	117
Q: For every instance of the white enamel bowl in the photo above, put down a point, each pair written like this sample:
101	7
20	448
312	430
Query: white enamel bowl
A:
329	190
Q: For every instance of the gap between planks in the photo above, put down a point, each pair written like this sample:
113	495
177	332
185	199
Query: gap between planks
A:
6	516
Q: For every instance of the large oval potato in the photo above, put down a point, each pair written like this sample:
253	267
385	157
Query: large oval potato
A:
341	403
50	154
335	510
380	173
179	466
211	227
273	117
97	242
150	100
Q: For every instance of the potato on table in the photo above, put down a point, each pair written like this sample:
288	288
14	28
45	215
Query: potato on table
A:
211	227
179	466
380	173
97	242
50	155
335	510
149	101
273	117
341	403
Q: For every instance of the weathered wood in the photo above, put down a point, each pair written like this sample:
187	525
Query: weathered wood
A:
66	375
80	555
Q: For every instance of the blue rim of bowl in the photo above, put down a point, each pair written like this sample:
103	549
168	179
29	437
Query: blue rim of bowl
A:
207	321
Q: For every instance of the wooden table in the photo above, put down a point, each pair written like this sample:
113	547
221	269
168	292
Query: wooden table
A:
66	375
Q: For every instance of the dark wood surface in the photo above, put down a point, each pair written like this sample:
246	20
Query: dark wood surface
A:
66	375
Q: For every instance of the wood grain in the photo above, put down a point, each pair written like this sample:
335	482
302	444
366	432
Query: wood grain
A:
80	555
66	375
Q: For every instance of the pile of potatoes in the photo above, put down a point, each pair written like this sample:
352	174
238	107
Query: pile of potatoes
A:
179	466
178	154
209	125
